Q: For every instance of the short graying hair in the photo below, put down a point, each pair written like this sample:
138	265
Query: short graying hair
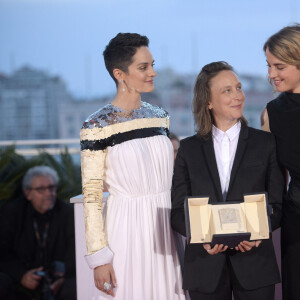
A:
38	171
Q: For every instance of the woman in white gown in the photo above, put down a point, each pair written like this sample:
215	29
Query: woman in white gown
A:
125	144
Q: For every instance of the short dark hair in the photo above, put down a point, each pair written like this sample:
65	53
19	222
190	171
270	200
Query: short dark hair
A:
202	94
120	50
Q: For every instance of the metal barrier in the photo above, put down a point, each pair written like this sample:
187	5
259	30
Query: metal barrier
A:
73	146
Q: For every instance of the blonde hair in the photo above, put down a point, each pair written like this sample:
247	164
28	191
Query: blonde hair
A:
285	45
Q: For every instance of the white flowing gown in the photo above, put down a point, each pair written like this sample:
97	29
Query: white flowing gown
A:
138	173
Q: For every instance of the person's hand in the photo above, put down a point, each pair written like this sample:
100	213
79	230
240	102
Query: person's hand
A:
56	285
30	280
105	274
247	246
216	249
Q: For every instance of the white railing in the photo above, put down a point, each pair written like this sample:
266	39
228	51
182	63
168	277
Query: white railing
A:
72	144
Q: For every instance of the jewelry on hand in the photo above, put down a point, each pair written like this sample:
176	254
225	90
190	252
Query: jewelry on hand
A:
106	286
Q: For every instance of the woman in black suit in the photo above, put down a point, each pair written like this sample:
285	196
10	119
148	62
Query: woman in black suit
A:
225	160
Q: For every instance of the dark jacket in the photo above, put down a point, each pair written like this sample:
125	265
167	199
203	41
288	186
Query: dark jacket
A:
18	243
254	170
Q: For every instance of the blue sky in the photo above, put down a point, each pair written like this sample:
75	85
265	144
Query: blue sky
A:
67	37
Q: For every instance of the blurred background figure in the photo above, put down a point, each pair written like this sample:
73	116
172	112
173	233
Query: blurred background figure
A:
37	242
175	142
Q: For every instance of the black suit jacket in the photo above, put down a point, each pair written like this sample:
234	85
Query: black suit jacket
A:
254	170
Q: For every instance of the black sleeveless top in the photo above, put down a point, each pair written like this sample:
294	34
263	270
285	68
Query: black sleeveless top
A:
284	120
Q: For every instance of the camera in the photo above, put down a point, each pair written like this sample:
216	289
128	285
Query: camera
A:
40	273
56	271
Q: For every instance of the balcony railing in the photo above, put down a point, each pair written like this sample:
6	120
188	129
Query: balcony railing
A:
34	147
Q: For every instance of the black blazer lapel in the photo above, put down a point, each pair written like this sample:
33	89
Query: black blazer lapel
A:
209	154
240	150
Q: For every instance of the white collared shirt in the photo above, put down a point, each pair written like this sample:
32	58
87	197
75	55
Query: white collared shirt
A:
225	144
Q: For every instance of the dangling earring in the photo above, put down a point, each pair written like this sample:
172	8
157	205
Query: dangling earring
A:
121	82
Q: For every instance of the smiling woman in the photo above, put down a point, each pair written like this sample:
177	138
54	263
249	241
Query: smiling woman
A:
218	97
284	76
140	74
126	144
281	117
227	99
214	163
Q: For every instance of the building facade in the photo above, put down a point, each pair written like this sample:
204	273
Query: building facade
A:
30	101
34	105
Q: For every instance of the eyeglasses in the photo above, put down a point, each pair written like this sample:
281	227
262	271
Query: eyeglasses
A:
43	189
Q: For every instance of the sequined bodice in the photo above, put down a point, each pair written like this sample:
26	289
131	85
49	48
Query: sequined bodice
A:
131	152
110	114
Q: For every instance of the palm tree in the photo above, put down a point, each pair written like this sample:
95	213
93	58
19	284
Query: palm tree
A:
14	166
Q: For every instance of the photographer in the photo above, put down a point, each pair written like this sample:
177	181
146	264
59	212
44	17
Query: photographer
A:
37	242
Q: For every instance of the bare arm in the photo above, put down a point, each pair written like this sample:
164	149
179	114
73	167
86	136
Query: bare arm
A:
264	120
265	125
